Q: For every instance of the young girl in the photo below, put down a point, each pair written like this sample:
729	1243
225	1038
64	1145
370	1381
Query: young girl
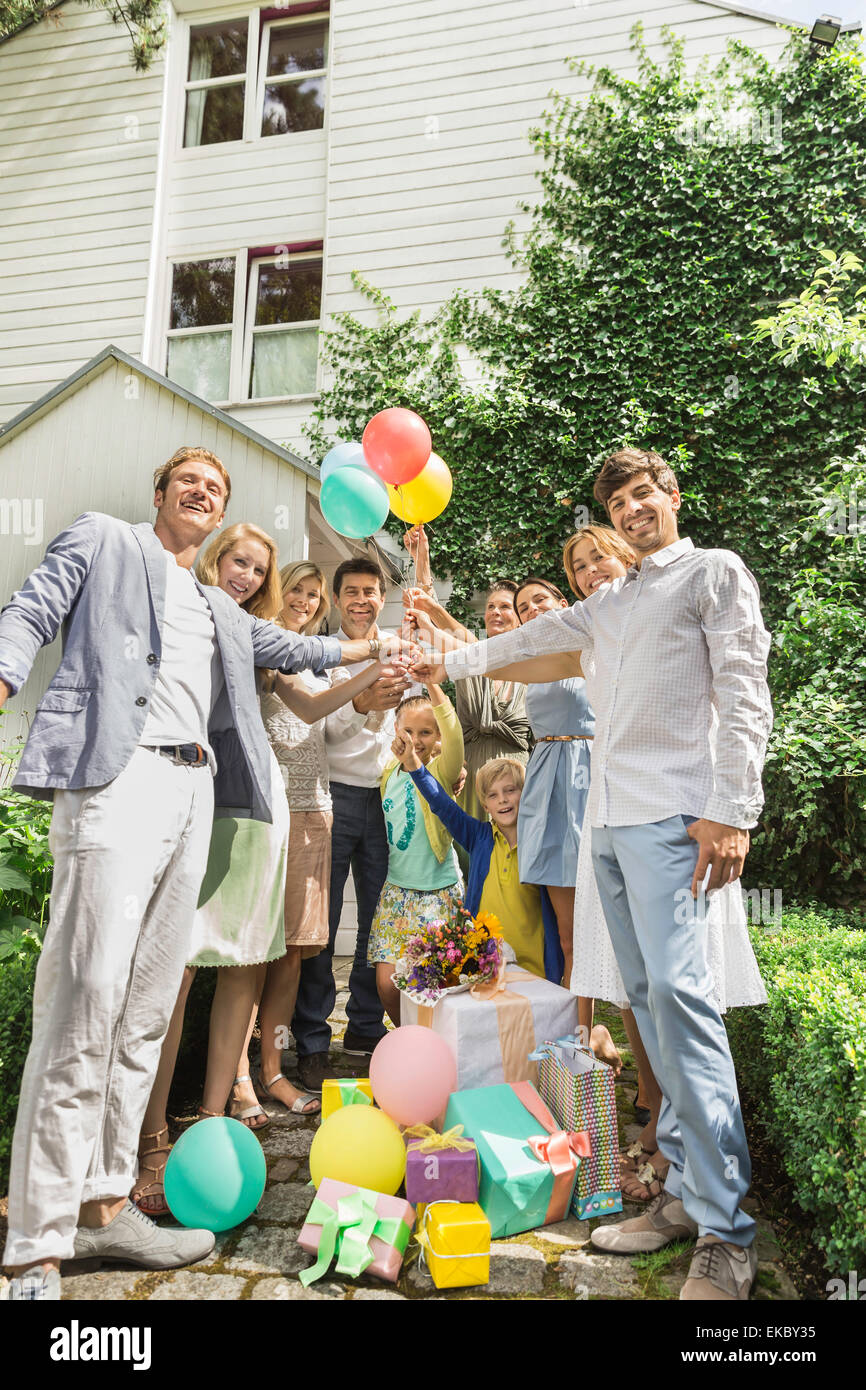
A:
422	883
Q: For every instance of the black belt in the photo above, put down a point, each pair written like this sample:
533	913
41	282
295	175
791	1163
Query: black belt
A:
191	753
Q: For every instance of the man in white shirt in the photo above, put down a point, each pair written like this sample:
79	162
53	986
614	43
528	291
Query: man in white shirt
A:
359	738
679	636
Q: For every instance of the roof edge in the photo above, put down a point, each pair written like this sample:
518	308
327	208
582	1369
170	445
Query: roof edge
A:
113	353
752	11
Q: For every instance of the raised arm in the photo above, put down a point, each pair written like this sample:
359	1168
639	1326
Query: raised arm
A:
464	828
314	705
450	760
33	616
566	630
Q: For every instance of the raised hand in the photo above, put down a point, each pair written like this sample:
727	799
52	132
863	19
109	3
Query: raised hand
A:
429	669
404	751
418	547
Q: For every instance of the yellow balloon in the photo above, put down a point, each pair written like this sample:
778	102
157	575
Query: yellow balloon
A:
426	495
361	1145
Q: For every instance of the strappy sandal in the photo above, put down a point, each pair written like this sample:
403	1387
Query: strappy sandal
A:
251	1112
154	1188
645	1174
302	1102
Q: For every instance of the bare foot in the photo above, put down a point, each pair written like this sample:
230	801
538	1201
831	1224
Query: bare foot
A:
605	1048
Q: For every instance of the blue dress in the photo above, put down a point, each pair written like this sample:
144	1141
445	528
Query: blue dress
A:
557	784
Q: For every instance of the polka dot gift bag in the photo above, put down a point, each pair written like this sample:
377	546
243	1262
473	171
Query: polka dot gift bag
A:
580	1092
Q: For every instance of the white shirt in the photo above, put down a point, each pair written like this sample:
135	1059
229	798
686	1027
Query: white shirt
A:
190	674
359	745
671	641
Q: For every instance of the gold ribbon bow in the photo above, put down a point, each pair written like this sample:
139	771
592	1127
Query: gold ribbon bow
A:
431	1140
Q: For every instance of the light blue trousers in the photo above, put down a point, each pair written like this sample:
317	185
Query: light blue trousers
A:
659	936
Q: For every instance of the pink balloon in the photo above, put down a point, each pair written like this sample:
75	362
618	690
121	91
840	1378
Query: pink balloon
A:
396	445
412	1073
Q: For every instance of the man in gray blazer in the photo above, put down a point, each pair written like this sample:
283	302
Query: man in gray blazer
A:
155	693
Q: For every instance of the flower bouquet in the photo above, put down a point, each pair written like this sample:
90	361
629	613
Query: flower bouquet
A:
453	953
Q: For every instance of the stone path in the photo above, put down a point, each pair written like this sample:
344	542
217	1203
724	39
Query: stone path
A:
260	1260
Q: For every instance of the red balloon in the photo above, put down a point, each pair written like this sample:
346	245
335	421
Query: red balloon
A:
396	445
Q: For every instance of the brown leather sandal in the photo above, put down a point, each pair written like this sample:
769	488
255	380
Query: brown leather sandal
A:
636	1174
154	1188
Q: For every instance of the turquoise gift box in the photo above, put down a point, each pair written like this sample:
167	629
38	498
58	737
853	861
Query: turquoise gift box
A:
528	1164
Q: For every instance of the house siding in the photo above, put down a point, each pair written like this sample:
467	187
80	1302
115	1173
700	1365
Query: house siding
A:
79	134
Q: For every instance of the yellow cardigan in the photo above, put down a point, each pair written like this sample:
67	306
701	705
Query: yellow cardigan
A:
445	767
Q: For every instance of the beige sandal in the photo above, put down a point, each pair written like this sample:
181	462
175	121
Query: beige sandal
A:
154	1188
251	1112
645	1174
302	1102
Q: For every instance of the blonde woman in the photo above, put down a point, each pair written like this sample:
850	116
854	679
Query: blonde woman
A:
294	710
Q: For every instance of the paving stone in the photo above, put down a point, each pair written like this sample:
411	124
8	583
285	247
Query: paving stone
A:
516	1269
568	1232
378	1294
108	1284
288	1202
286	1290
766	1245
285	1141
602	1276
224	1241
282	1170
198	1287
269	1250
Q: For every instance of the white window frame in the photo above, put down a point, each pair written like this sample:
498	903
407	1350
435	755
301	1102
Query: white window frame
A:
294	22
253	82
250	329
241	326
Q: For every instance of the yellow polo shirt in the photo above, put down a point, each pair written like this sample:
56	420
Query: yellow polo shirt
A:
516	904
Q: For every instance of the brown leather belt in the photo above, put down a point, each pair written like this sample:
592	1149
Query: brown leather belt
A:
562	738
190	753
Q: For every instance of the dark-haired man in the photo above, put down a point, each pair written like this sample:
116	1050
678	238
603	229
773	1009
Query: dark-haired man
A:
359	738
677	642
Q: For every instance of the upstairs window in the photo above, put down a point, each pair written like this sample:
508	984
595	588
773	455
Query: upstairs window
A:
293	63
252	77
216	83
200	326
284	308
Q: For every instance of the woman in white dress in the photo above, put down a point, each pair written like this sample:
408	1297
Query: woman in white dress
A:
595	556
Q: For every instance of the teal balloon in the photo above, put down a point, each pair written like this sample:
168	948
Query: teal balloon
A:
215	1175
354	501
342	456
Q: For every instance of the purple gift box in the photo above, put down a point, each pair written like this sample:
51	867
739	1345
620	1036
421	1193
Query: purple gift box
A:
441	1175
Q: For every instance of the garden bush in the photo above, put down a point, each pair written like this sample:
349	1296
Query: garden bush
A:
801	1061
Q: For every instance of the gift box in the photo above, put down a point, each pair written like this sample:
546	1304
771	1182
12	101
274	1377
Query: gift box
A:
581	1093
455	1243
365	1230
440	1167
492	1037
528	1163
350	1090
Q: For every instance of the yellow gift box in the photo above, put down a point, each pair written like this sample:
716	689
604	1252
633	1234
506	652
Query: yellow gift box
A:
455	1243
350	1090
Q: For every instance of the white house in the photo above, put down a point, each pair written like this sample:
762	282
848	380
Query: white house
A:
172	242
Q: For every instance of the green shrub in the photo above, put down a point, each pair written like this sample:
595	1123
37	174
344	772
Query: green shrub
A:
17	974
802	1062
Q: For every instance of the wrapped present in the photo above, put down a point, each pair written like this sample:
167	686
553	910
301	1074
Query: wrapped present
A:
349	1090
440	1167
581	1093
528	1163
365	1230
492	1029
455	1243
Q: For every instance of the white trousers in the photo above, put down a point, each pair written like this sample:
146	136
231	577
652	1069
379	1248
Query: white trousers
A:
129	859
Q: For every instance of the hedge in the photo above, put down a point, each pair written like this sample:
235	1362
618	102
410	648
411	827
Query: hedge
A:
801	1060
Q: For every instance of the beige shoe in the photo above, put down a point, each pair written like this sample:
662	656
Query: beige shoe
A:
664	1220
720	1271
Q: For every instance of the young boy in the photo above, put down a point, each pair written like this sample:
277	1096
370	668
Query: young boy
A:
524	910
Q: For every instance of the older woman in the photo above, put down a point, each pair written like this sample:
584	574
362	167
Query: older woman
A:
492	713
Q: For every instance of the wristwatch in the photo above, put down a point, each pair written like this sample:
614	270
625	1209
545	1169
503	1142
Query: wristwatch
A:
375	647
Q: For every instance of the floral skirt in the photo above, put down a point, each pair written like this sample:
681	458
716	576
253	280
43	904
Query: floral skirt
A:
399	914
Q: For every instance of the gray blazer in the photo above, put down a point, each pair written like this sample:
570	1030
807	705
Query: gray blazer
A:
103	581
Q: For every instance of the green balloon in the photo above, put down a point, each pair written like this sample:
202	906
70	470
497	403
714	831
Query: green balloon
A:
354	501
215	1175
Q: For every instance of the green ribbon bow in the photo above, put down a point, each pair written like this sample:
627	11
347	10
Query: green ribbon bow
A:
351	1094
347	1232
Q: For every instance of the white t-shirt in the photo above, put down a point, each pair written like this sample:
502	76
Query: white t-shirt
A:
190	675
359	745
